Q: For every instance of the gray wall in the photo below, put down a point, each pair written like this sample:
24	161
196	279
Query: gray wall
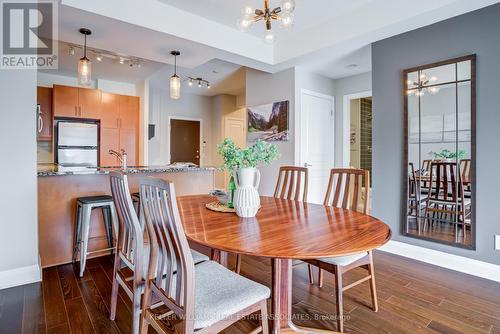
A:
477	32
18	197
264	88
190	106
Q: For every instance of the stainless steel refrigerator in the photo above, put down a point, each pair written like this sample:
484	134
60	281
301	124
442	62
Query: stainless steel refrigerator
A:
77	144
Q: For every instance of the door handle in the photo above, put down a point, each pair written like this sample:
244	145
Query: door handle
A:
40	123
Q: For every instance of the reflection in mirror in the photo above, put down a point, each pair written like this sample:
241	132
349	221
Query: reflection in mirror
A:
440	109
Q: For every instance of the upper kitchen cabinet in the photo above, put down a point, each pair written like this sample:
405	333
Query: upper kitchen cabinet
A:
65	101
129	112
44	117
110	110
89	103
76	102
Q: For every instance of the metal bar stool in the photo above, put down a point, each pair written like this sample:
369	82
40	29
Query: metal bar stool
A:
84	207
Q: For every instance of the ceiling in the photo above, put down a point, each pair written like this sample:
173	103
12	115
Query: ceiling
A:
224	78
330	37
308	13
108	68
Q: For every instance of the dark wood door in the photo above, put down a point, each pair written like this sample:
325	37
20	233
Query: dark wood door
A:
184	141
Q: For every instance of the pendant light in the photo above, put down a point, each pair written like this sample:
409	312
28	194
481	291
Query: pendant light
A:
84	65
175	80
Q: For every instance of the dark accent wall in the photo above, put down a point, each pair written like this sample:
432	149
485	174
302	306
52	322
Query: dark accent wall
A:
476	32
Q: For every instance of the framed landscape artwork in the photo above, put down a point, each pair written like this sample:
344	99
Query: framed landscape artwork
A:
268	122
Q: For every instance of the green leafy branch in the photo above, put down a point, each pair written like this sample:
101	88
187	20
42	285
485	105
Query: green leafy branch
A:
447	154
259	153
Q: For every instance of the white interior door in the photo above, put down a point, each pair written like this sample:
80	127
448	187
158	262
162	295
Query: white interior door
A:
235	129
317	141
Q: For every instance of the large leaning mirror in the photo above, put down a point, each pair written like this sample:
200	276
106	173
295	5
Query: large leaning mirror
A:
440	152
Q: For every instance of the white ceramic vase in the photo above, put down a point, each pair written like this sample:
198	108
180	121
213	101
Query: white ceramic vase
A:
246	197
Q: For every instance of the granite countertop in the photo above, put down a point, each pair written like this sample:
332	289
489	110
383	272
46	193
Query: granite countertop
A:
56	170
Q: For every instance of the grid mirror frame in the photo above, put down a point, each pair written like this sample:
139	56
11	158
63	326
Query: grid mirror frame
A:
424	78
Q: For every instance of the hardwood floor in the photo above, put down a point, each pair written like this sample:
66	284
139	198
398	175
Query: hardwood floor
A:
413	298
440	231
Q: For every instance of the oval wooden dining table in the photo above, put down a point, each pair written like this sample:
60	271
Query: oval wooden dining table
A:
283	230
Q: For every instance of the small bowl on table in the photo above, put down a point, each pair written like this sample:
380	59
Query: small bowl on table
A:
222	196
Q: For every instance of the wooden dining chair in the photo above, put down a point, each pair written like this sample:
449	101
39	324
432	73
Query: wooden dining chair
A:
292	184
465	171
129	250
221	297
447	203
345	190
416	200
132	253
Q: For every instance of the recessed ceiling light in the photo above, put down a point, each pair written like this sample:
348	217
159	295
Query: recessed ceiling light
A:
215	71
352	66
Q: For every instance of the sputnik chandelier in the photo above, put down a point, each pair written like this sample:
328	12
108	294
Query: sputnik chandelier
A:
425	84
282	14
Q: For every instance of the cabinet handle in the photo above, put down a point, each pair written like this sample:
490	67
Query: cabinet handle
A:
80	110
76	111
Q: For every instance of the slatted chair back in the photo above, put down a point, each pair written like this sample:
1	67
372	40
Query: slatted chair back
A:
345	189
171	267
447	182
426	165
413	186
292	183
130	243
465	169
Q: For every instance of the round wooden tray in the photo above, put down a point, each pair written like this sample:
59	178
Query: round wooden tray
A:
219	207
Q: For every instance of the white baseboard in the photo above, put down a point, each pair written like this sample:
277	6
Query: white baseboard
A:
20	276
450	261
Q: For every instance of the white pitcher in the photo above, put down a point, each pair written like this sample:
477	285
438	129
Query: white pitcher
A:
246	197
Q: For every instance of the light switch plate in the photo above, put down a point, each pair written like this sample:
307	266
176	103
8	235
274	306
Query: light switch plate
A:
497	242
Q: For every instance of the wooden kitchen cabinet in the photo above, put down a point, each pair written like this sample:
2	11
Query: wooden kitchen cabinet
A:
110	110
119	128
129	112
89	103
76	102
65	101
110	140
129	143
45	117
118	115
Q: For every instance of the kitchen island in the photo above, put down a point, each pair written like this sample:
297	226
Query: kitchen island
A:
58	189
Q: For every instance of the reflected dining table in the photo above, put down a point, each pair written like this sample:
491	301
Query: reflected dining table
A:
283	230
